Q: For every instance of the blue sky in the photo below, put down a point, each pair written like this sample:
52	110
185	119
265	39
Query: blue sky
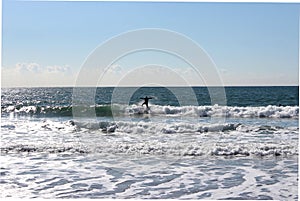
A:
250	43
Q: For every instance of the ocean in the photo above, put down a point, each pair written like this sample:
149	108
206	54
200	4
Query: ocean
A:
244	149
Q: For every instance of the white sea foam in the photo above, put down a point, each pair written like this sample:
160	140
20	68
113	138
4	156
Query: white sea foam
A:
100	176
220	111
171	128
124	137
270	111
159	148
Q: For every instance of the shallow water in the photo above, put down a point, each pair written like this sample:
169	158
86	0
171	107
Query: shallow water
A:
67	175
145	159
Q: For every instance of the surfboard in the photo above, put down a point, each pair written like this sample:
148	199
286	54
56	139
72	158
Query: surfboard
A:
147	111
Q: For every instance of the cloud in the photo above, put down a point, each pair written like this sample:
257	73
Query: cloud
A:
38	69
115	69
33	74
58	69
28	67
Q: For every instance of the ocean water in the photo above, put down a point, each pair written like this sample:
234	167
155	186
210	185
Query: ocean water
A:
246	149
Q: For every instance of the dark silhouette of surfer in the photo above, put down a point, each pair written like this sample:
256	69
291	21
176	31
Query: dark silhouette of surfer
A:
146	99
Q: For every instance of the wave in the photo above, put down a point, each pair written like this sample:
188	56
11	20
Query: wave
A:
155	148
101	110
230	111
160	138
122	127
142	127
270	111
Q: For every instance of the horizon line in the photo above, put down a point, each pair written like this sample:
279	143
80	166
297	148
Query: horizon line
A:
131	86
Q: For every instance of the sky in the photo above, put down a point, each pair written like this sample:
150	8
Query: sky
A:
45	43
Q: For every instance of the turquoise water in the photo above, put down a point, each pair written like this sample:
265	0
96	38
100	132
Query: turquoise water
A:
245	149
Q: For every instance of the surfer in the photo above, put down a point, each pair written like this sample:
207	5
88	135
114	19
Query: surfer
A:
146	99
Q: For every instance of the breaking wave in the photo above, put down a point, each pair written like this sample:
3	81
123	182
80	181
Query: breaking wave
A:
145	138
270	111
154	148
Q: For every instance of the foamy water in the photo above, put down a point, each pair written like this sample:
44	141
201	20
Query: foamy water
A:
148	159
65	175
269	111
182	152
